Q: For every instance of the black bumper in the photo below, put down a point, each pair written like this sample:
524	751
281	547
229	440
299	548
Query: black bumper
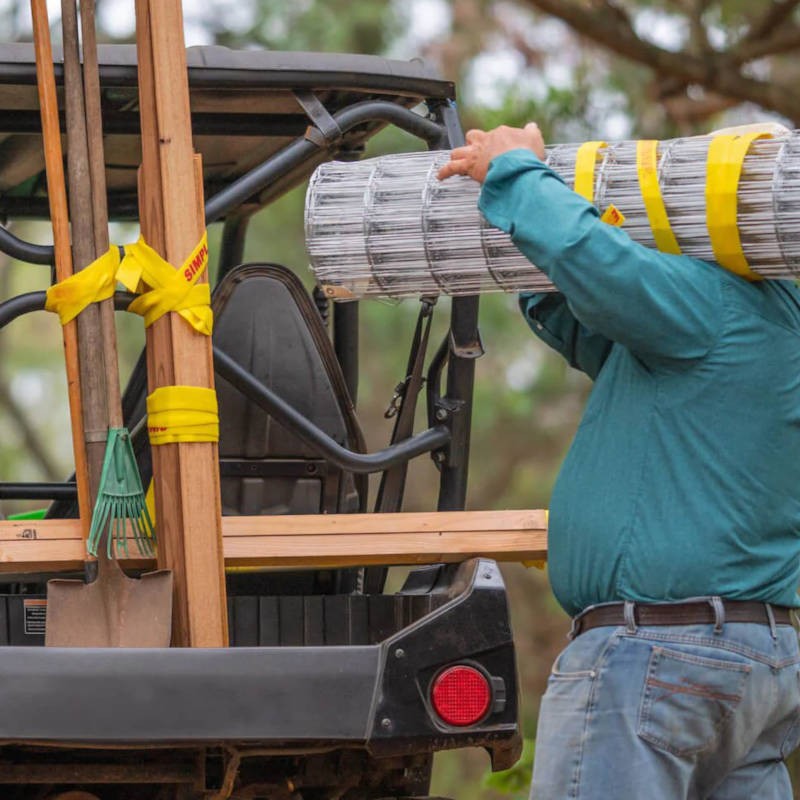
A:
375	696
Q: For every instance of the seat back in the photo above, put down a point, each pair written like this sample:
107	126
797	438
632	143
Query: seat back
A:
265	320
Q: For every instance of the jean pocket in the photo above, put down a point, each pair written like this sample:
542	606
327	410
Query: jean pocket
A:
687	699
583	656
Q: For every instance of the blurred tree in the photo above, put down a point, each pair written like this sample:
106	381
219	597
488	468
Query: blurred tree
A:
638	66
716	54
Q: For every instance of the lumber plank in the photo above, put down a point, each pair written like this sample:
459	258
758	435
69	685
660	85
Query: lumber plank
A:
425	521
331	540
186	475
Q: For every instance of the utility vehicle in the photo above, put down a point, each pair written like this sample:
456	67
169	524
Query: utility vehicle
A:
328	690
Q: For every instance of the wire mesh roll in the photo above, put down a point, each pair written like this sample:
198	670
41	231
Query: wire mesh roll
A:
388	227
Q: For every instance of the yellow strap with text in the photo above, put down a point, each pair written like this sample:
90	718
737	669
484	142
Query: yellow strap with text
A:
182	414
585	163
613	216
647	168
92	284
726	155
170	289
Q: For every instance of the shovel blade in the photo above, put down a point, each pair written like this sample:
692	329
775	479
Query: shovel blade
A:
112	611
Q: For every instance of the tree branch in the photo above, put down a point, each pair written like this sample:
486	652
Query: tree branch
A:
712	71
776	13
699	35
784	40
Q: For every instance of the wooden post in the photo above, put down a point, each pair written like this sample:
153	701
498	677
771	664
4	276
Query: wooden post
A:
186	475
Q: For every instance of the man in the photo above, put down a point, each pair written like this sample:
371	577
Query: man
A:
674	522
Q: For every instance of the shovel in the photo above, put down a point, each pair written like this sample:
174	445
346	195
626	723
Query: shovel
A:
111	610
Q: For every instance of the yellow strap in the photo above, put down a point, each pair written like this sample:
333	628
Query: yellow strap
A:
726	155
171	289
613	216
539	563
182	414
91	285
647	167
585	163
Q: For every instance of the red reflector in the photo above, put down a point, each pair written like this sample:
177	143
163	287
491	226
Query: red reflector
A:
461	695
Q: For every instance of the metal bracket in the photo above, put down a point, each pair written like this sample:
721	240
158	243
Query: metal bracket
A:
325	129
445	411
470	348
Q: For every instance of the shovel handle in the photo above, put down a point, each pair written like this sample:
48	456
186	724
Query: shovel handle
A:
57	199
97	173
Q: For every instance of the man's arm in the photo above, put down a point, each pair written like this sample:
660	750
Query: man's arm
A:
654	303
657	305
551	319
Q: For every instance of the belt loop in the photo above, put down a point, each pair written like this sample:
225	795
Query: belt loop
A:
771	617
630	616
575	628
719	613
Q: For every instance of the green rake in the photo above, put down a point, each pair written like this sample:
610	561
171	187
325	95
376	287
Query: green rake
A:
120	500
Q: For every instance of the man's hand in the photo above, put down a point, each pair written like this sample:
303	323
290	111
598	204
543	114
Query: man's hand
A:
473	158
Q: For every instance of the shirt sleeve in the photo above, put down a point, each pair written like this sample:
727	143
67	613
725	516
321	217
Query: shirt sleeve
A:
653	303
550	318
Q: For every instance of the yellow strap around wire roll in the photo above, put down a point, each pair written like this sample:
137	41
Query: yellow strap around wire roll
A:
726	155
171	289
585	163
92	284
182	414
647	168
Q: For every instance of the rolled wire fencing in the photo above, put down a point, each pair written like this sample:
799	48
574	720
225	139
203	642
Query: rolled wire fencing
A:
387	227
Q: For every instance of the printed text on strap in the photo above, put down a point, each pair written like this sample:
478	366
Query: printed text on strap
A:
182	414
170	289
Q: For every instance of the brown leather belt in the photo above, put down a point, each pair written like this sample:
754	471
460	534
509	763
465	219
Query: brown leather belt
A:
697	612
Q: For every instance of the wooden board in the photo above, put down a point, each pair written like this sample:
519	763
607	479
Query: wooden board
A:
339	540
186	475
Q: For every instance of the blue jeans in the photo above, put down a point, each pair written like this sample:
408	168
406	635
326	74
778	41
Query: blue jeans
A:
670	713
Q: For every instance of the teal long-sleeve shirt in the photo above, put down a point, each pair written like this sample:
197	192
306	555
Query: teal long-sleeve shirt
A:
684	475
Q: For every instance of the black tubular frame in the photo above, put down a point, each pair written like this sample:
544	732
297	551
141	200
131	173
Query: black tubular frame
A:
462	349
276	166
301	149
425	442
448	441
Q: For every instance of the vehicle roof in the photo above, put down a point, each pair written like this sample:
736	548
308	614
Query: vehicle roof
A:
243	111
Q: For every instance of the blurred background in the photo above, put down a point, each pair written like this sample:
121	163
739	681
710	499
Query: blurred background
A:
600	69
